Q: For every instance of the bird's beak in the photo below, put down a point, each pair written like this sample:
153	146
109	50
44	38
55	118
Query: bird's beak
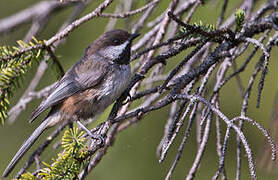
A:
133	36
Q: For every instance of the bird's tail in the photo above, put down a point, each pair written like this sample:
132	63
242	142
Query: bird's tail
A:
26	146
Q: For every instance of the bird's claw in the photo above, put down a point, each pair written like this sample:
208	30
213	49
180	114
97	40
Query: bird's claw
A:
99	138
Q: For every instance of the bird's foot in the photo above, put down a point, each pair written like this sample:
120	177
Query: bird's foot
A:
97	137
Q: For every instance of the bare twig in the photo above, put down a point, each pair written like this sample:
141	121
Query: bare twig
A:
131	13
182	85
39	11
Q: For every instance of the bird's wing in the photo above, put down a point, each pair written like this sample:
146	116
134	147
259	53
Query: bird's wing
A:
85	74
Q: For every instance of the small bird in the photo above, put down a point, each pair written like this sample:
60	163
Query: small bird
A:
87	88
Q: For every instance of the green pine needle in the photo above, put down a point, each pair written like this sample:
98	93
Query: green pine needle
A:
69	162
239	19
28	176
12	70
204	27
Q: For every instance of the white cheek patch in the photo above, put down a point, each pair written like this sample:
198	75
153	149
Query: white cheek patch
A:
113	52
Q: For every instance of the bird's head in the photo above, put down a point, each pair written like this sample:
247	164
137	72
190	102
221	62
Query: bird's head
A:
114	45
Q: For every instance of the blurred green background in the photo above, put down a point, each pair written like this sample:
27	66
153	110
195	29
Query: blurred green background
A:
133	155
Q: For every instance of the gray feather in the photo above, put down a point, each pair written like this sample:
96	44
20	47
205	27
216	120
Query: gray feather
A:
79	78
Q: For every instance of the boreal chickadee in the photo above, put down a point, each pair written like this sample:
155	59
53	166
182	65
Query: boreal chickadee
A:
87	88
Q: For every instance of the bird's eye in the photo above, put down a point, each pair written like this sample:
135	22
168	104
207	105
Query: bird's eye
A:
116	41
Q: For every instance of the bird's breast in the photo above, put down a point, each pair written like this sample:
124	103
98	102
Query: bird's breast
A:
93	101
114	85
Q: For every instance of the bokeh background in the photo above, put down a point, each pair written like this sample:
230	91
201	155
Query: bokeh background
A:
133	155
